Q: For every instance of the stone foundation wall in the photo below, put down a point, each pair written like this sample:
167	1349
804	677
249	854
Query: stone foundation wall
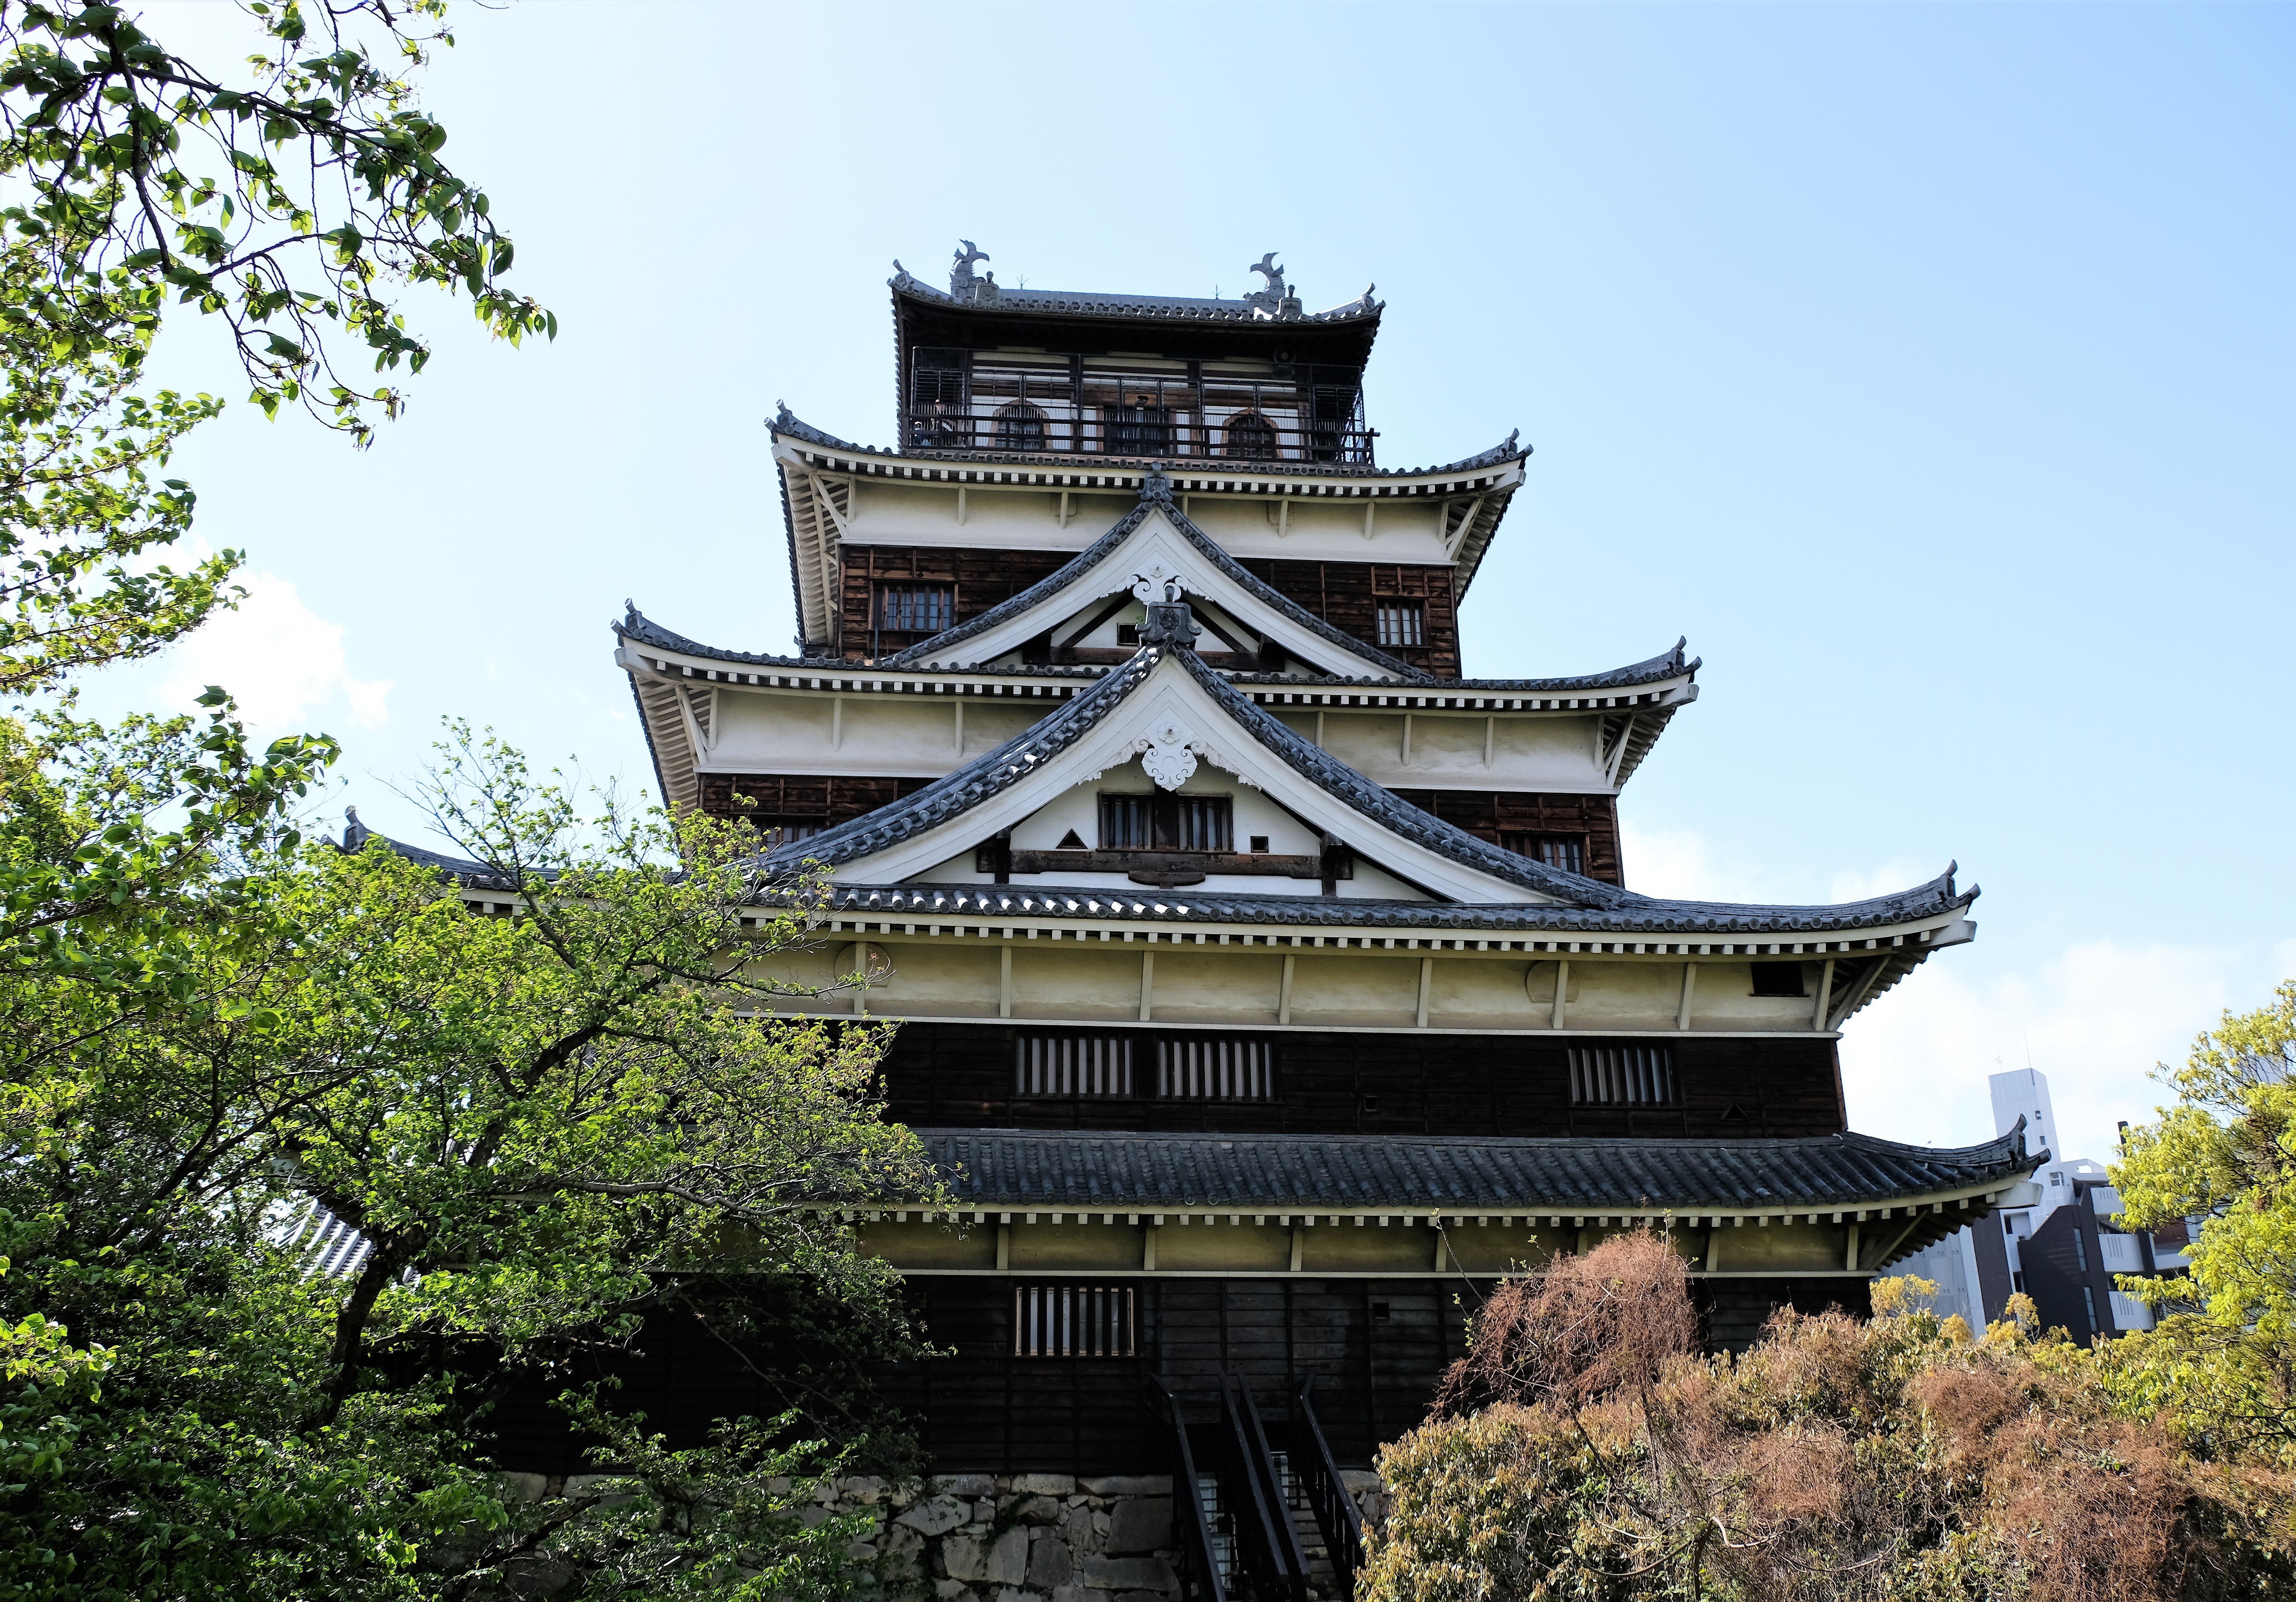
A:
1022	1537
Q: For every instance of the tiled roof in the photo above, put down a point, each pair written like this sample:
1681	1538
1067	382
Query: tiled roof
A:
1158	496
1077	1168
636	626
788	423
1088	303
1013	761
1631	915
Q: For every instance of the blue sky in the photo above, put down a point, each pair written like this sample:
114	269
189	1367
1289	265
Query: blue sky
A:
1928	366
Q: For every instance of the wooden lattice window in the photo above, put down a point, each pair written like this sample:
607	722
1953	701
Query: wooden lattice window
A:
1073	1321
1072	1066
1621	1076
913	608
1402	622
781	830
1019	426
1249	437
1166	823
1564	852
1216	1069
1126	823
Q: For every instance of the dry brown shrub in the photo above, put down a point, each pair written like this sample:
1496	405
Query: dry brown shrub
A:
1589	1325
1970	1404
2089	1510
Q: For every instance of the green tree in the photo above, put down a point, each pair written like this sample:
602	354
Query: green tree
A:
2223	1360
554	1128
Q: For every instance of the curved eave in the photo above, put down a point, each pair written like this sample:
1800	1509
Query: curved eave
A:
1641	926
1434	1177
1486	470
1082	306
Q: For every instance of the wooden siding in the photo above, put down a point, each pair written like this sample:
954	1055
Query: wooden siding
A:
1512	820
981	579
824	799
1347	594
961	1075
1377	1349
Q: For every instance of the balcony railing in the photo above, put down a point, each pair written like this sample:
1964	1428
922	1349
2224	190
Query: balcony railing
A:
1061	411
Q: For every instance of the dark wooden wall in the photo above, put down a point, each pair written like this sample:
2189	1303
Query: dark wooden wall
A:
1375	1347
1346	595
982	579
1508	819
800	798
961	1075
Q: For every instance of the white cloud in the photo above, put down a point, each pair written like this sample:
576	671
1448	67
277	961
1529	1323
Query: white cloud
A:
278	657
2095	1017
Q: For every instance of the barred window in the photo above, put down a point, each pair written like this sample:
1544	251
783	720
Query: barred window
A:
1072	1321
781	830
1565	851
1402	622
1621	1076
1216	1069
1072	1066
1207	823
1172	823
916	608
1125	823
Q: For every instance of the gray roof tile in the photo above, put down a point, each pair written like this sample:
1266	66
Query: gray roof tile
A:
1015	1168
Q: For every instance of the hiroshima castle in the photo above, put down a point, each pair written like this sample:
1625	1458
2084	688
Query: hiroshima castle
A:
1267	988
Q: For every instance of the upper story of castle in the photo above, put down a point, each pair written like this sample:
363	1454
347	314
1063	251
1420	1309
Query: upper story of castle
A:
1027	420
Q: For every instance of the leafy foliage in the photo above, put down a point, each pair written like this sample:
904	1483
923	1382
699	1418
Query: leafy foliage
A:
548	1125
289	206
2224	1359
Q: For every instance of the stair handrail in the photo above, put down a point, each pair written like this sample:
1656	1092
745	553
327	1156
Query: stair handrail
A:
1272	1576
1336	1514
1198	1568
1288	1555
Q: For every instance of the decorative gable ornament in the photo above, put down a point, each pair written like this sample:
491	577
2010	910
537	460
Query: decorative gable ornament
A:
1162	583
1168	754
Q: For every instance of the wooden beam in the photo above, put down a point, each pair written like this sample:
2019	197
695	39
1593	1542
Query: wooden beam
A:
1004	980
1689	983
1562	989
1283	993
1147	983
1824	996
1426	986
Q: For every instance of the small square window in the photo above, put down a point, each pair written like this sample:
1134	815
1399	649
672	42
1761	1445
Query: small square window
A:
1127	634
1402	622
912	608
1381	1312
1259	845
1778	979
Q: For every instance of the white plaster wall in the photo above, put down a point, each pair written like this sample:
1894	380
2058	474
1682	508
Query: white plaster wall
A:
1028	519
1780	1248
1086	979
1724	999
1624	994
1338	990
1211	984
1533	753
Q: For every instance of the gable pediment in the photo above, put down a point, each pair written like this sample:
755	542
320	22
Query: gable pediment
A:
1169	717
1150	555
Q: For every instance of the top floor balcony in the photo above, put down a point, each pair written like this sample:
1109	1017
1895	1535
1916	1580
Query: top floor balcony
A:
1076	406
